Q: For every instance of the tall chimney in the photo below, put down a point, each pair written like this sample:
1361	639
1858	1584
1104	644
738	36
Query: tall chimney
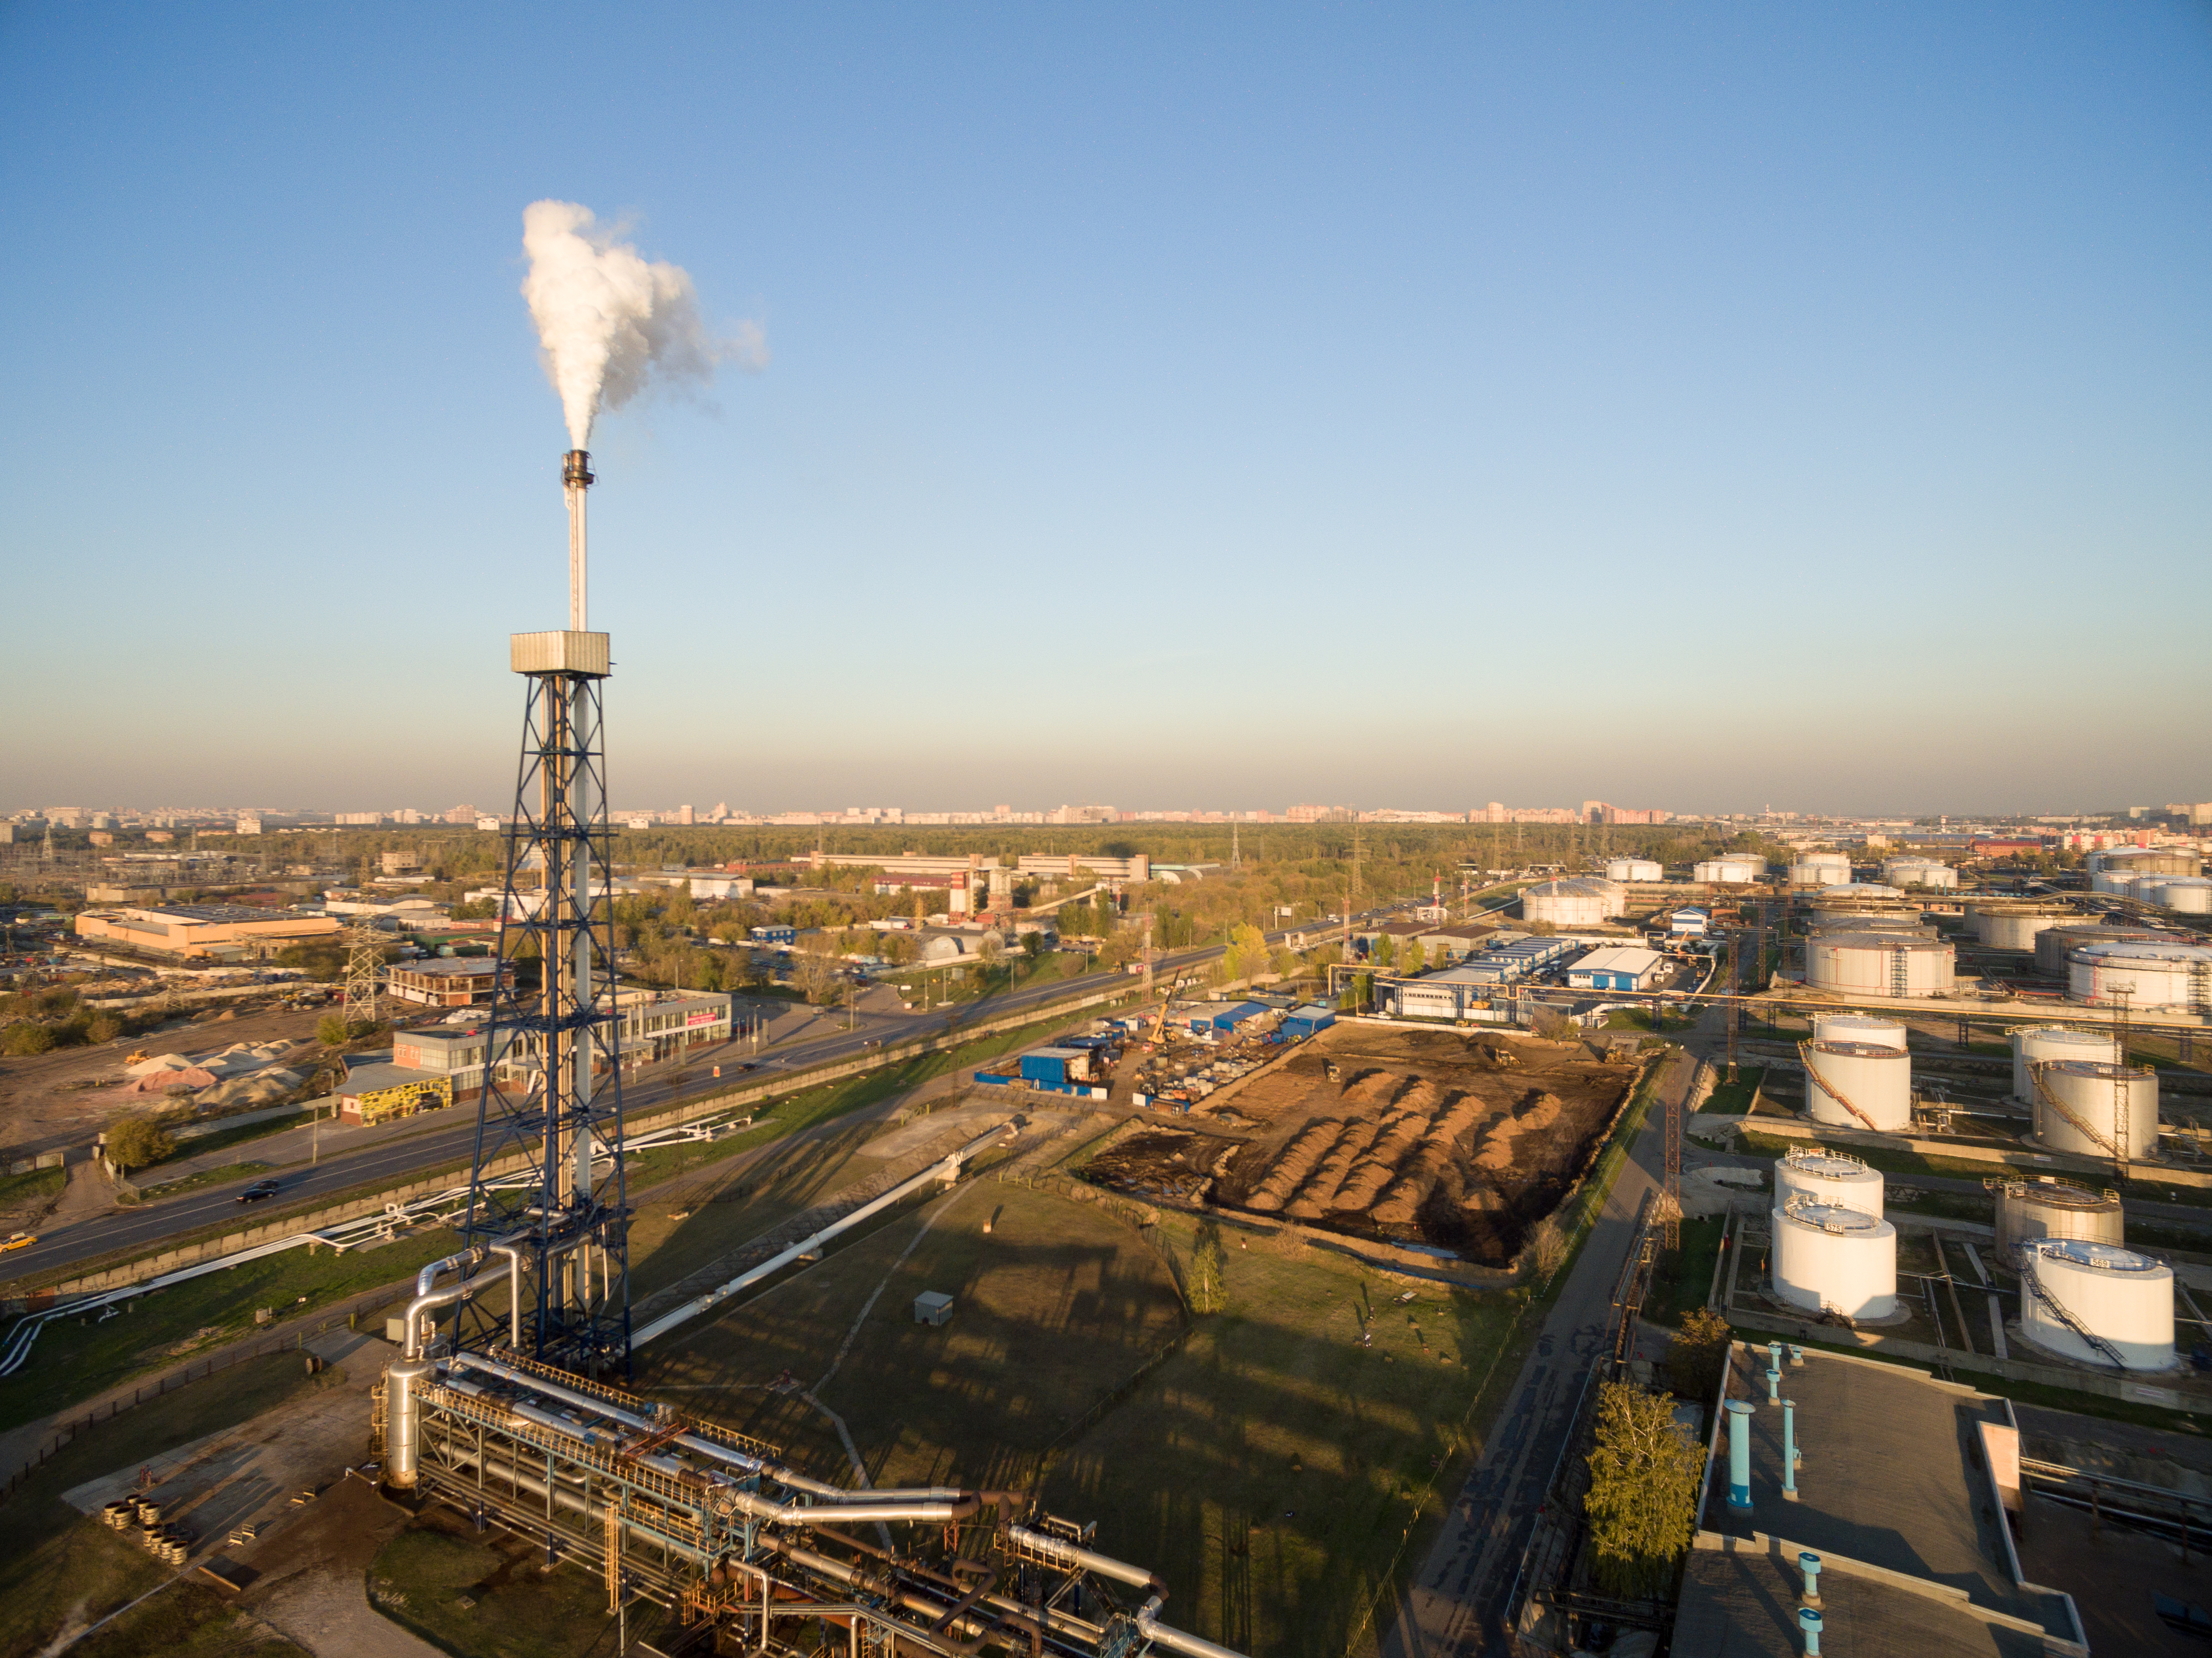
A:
575	478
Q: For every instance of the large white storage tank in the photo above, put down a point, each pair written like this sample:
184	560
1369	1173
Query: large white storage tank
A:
2124	1299
1819	1175
2148	975
1821	869
2124	861
1634	869
2029	1211
1569	903
1731	868
2014	925
1879	964
1918	872
2033	1044
1859	1028
2079	1105
2192	895
1827	1255
2054	946
1858	1084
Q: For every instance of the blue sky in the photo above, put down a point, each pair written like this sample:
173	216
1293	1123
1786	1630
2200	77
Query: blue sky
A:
1694	406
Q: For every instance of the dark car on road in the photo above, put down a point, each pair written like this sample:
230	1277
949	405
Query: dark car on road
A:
259	1190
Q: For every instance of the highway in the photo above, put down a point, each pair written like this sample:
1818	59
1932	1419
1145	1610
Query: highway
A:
396	1161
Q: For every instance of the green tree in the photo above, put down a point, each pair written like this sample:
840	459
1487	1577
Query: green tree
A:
1416	957
137	1141
1642	1492
1698	1354
26	1039
1207	1286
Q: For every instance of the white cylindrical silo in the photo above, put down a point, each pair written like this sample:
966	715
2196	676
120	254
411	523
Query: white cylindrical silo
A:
1820	1175
2031	1211
1821	869
1858	1084
2124	1299
1875	964
2080	1105
1918	872
2190	895
1827	1256
1858	1027
1568	903
1634	869
2053	946
2147	975
1731	868
2013	926
2032	1044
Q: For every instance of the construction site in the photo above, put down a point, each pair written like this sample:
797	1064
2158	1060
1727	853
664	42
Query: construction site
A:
1457	1142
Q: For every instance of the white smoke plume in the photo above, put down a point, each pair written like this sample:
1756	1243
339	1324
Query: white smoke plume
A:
609	323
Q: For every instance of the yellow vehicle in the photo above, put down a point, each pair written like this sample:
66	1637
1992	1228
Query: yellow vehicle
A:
19	1240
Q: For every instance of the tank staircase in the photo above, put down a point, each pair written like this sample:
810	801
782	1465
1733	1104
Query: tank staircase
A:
2034	1282
1814	1080
2044	1092
1900	973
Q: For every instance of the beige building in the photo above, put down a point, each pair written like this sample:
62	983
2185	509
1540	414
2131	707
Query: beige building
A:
202	932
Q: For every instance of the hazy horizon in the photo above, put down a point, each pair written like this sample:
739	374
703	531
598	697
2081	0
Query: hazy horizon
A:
1706	409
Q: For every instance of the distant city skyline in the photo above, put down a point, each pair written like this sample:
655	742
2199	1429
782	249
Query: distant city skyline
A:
1704	406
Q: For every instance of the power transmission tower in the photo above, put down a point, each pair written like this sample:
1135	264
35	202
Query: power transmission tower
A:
364	970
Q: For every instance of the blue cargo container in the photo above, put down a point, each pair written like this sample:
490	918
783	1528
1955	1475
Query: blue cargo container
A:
1308	1020
1049	1064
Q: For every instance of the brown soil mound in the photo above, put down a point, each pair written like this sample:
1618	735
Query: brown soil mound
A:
1428	1136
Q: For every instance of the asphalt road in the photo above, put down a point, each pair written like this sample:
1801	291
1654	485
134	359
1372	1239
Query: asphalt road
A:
396	1161
1457	1602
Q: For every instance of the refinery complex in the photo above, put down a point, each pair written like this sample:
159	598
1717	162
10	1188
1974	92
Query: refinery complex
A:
500	1158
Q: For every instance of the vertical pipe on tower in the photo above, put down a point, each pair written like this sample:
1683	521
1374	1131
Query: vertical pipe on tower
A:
575	478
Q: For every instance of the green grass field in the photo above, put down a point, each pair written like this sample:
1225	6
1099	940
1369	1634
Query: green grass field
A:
77	1358
484	1597
1734	1099
1275	1469
38	1183
58	1568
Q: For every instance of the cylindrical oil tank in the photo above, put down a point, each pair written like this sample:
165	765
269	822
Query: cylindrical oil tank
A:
2147	975
2014	925
1858	1027
1568	903
2145	860
1827	1255
1824	1176
402	1420
1858	1085
2054	946
2033	1044
2192	895
1731	868
1879	964
2031	1211
1634	869
1911	923
2114	1293
1821	869
1861	898
2097	1094
1918	872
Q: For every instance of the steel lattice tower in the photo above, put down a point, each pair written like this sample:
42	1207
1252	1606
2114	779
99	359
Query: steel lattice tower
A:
552	1095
